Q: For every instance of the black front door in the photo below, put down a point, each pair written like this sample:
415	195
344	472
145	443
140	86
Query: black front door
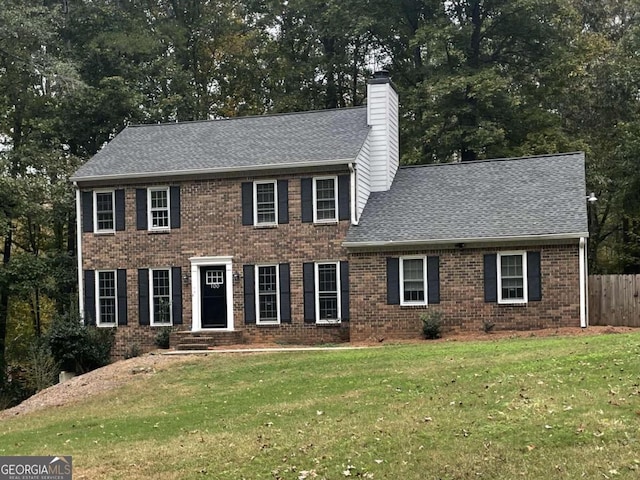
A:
213	295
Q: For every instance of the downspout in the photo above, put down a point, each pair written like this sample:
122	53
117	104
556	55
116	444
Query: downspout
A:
583	282
79	250
354	200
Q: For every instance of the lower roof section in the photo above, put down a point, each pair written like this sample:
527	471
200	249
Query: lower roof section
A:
528	198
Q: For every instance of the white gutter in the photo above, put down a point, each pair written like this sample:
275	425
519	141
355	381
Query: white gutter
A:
205	171
582	253
354	200
79	252
471	240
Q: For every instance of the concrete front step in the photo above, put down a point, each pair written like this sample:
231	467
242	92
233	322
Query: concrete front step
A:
204	340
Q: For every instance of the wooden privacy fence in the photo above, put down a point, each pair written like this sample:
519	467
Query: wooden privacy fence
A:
614	300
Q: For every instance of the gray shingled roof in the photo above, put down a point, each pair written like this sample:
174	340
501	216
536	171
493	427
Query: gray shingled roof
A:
493	199
293	139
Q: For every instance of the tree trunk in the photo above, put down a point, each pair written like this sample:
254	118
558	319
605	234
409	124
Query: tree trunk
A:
4	300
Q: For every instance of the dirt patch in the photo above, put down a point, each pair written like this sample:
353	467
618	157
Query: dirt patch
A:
126	371
94	382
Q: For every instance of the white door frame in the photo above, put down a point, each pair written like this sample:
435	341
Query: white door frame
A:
196	301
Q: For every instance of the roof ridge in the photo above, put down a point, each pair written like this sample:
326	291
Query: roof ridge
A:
491	160
246	117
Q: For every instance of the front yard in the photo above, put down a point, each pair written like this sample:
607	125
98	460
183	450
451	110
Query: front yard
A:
556	407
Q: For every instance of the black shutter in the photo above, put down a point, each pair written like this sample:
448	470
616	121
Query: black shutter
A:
122	296
344	290
87	212
283	201
534	277
306	197
174	204
490	278
393	281
120	210
141	209
433	279
308	282
176	295
247	203
344	190
89	297
143	296
285	293
249	294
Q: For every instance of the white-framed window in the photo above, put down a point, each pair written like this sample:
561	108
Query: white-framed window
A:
104	211
413	281
158	208
325	199
268	294
160	298
265	198
512	277
107	298
327	280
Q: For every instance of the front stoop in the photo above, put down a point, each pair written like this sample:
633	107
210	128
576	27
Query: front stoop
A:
204	340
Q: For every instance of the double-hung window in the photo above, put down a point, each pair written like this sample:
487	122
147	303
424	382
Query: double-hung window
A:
266	205
106	294
512	277
104	211
325	199
161	296
327	292
413	281
158	203
268	297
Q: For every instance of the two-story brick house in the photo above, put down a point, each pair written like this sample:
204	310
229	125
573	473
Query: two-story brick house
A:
301	228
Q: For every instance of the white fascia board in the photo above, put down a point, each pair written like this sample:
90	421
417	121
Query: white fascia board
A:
466	241
209	171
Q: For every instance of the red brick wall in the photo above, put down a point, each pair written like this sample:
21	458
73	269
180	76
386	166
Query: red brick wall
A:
211	225
462	295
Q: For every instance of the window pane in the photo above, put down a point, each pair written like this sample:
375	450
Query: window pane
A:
159	208
161	289
511	265
267	291
413	273
266	202
512	277
325	199
107	297
159	199
104	211
328	291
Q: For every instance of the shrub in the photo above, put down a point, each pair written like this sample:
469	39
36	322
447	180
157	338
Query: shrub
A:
487	326
79	348
12	389
133	351
162	337
41	370
431	324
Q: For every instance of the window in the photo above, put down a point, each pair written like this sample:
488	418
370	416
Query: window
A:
161	297
106	294
265	208
512	277
104	211
268	295
327	293
413	281
158	208
325	199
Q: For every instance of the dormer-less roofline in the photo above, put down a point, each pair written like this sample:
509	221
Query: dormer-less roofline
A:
173	174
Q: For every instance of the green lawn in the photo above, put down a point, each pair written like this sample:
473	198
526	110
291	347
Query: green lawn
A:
520	408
